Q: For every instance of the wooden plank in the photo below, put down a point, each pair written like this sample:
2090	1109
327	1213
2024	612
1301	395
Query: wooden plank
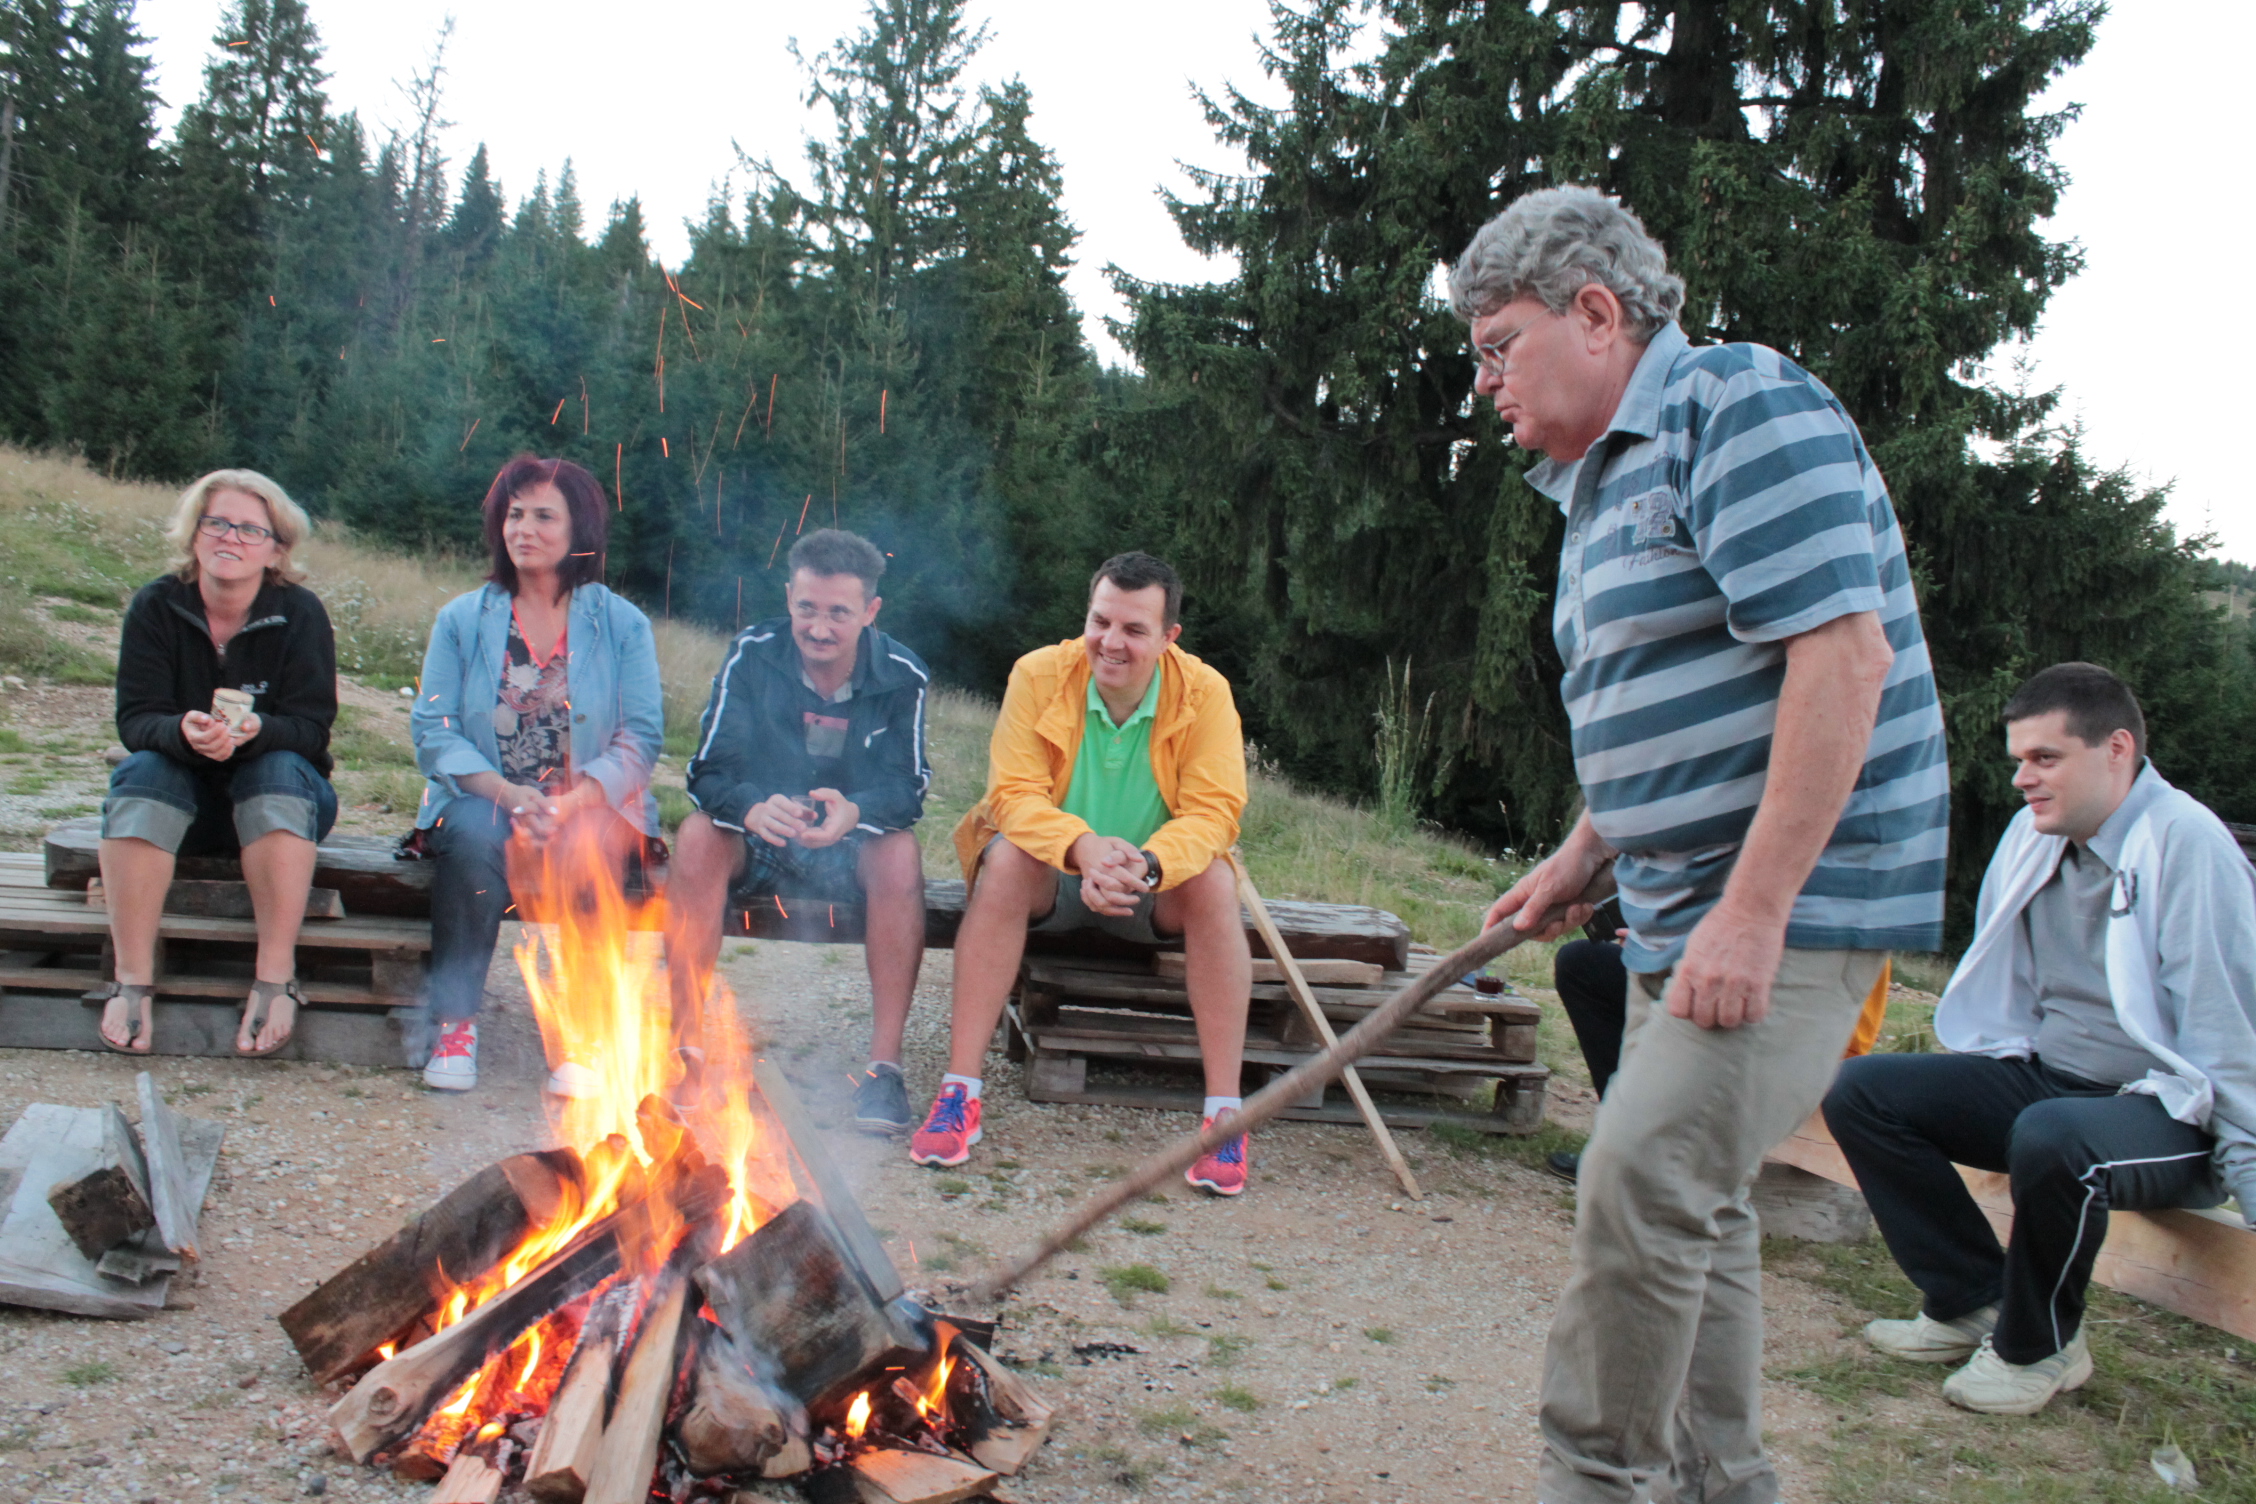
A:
1519	1119
1314	931
833	1195
168	1170
1084	977
110	1204
362	932
1133	1035
471	1478
361	868
39	1266
339	1036
384	1292
896	1475
2200	1264
216	900
1171	965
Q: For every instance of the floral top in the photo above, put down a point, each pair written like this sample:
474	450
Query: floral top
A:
533	719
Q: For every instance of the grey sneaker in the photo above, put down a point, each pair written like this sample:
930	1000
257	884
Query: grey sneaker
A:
1993	1386
1923	1339
881	1101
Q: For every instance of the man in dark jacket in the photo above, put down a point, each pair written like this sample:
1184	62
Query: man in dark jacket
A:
809	779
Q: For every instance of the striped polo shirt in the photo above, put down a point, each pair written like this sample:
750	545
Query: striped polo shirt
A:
1732	505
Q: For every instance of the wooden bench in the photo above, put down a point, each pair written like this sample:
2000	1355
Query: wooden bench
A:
2200	1264
360	972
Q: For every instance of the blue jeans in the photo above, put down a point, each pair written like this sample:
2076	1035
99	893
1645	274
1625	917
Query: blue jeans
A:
217	809
469	898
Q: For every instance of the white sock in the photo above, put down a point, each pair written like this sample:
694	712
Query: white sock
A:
970	1084
1216	1106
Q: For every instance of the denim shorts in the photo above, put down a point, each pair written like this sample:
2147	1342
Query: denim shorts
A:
189	811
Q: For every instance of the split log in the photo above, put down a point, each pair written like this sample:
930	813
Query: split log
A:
897	1475
210	900
563	1458
792	1291
169	1196
367	877
472	1478
628	1453
1330	973
385	1291
856	1240
392	1399
1016	1423
739	1422
111	1204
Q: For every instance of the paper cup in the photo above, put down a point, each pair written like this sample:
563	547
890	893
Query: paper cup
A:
232	706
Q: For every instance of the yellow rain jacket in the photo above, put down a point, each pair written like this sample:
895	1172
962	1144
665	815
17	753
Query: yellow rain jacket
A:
1197	754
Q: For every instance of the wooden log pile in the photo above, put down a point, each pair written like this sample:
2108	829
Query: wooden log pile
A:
1468	1057
98	1213
639	1355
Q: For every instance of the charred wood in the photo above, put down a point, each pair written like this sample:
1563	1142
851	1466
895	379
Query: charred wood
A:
110	1204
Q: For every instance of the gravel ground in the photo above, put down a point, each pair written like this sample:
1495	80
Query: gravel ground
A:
1321	1338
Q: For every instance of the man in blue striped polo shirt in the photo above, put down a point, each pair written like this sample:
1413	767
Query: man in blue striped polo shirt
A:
1760	750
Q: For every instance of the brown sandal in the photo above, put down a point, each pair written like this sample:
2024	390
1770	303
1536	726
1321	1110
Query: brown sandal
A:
138	998
263	997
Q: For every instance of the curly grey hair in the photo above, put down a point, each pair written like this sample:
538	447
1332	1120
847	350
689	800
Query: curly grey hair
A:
1552	242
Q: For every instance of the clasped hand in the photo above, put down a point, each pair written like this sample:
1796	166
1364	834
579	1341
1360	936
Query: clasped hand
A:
781	820
1112	874
208	736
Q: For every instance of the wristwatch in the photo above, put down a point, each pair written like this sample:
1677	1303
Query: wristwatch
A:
1151	870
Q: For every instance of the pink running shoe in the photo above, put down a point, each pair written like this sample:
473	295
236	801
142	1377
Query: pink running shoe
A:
1221	1170
949	1130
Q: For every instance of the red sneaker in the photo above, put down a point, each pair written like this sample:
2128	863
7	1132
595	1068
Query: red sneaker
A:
949	1130
1221	1170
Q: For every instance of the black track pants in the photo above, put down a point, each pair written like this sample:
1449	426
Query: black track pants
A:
2073	1148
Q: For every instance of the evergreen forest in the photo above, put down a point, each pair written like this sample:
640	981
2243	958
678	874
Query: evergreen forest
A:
884	339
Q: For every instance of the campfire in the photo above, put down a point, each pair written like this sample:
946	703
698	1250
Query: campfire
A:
680	1300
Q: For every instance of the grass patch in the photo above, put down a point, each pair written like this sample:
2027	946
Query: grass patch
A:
357	742
951	1185
1439	1383
1383	1335
1274	1283
1164	1325
1218	1292
1131	1473
1530	1149
1223	1349
1237	1397
1182	1422
11	740
1143	1226
1127	1281
85	1375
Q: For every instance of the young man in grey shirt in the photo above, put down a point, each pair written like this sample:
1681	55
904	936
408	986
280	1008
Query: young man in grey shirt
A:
2103	1030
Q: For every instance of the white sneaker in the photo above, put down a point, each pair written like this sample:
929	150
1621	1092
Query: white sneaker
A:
1993	1386
1923	1339
574	1082
454	1059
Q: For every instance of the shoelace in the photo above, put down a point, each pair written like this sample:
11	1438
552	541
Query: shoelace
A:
947	1113
1231	1152
455	1042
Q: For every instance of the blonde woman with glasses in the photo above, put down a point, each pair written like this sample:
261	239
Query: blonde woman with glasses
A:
226	689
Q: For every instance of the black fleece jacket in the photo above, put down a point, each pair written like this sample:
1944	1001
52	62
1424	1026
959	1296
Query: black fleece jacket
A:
285	657
752	739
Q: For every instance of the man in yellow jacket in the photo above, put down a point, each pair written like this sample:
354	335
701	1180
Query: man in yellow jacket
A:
1115	781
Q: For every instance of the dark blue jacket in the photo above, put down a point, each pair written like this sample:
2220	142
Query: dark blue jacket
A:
751	741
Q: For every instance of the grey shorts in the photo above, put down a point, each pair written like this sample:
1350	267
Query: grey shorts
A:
1072	916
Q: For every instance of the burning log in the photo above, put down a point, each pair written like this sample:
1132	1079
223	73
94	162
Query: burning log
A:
896	1475
105	1207
563	1459
1011	1424
791	1290
391	1399
628	1454
385	1292
738	1422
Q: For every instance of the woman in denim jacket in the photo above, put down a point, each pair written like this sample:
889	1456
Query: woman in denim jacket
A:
539	704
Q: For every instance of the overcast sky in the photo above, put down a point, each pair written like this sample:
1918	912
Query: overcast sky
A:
650	107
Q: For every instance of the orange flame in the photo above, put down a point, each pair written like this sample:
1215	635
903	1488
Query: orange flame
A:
857	1416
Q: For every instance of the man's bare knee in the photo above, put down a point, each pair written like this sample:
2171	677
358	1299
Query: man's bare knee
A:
1207	902
892	865
1011	878
705	856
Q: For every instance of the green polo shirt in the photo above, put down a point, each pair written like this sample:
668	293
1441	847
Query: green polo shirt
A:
1113	788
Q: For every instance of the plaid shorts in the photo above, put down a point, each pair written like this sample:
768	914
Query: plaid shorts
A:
827	874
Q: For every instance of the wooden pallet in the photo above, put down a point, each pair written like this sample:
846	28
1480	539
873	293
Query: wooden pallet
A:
1468	1046
359	975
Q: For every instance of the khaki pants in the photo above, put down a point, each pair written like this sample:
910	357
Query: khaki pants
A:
1652	1383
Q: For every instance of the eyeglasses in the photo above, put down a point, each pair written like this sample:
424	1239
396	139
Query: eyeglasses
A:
1493	353
220	527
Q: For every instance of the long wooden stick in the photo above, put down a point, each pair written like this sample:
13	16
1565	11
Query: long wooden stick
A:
1314	1010
1264	1104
